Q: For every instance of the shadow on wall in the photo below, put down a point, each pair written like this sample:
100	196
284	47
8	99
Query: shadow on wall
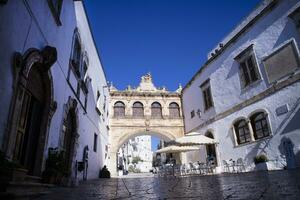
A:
286	148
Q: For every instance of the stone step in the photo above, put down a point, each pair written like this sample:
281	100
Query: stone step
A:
22	196
31	187
33	179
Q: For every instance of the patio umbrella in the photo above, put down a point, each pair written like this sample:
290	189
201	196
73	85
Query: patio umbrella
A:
177	149
195	138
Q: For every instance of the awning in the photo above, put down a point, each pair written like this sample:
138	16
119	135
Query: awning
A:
195	138
177	149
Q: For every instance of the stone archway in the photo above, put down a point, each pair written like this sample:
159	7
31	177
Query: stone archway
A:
121	135
31	109
154	116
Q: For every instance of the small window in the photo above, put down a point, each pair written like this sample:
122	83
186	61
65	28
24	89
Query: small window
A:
98	95
192	114
242	132
156	110
206	93
76	56
174	111
260	125
248	69
119	109
55	7
95	142
138	110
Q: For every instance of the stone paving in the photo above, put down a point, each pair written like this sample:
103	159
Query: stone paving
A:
257	185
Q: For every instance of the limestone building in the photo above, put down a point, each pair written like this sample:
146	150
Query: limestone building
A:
145	110
53	88
137	150
247	95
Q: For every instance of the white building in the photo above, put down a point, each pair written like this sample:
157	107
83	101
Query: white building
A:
53	87
138	147
247	94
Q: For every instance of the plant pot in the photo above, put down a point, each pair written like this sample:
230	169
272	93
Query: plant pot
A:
13	174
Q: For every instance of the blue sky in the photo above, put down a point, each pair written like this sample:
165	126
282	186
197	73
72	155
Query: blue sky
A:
169	38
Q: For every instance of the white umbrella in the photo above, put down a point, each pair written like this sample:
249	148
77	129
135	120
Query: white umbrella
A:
177	149
195	138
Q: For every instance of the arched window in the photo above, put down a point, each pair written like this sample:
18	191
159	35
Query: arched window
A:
260	125
242	131
138	109
119	109
156	111
76	54
174	110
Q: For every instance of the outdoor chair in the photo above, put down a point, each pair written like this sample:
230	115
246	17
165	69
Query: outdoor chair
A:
226	166
182	170
240	165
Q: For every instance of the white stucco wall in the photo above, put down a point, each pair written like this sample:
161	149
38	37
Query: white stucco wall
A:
30	24
268	33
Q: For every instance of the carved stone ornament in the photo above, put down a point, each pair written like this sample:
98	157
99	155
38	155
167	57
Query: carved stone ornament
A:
49	55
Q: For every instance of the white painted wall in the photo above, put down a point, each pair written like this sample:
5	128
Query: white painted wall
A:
28	24
267	34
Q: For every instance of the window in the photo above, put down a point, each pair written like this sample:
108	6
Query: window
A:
248	70
119	109
156	110
76	55
242	132
55	7
98	95
95	142
206	93
260	125
174	111
138	109
282	62
192	114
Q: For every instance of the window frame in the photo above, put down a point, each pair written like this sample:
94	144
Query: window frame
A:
243	60
245	129
208	102
123	108
158	115
95	144
263	126
173	108
134	108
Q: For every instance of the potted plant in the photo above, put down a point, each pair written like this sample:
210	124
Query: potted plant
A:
260	162
10	170
56	168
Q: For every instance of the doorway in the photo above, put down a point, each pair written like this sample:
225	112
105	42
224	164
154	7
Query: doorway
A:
29	127
211	151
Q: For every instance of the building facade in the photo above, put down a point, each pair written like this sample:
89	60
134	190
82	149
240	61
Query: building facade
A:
247	95
145	110
136	154
53	87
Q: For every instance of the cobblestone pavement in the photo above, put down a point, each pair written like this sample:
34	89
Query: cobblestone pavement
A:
259	185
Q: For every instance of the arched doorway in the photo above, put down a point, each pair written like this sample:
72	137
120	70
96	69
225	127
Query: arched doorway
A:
211	150
69	139
30	128
114	159
31	109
